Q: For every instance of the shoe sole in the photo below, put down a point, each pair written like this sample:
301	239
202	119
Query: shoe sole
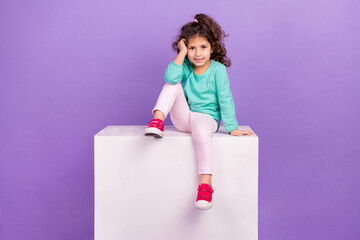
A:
154	132
202	207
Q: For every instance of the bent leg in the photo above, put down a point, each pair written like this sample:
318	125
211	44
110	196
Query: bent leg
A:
172	100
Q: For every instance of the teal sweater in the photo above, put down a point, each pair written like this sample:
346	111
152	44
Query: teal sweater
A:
206	93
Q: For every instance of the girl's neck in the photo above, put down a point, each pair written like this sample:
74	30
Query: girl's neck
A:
202	69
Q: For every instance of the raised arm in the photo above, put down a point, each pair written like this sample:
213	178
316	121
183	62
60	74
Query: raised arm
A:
174	71
179	59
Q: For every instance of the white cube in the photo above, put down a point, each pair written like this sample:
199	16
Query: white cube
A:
145	187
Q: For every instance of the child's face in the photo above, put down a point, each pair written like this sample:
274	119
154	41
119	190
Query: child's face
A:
199	51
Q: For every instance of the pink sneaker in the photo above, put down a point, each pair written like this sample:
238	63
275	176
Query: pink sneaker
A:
155	128
204	197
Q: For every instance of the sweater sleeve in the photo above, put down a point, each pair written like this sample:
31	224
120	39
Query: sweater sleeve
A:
226	102
174	73
177	73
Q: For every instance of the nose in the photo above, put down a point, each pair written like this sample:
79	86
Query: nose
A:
197	53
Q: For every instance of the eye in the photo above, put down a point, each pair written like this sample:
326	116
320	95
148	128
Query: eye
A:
192	48
204	47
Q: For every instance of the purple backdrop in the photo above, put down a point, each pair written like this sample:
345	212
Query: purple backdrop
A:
70	68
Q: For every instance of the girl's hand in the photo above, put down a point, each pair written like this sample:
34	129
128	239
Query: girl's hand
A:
237	132
182	46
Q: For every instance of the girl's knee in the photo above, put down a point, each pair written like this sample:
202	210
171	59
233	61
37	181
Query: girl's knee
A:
176	85
174	88
201	134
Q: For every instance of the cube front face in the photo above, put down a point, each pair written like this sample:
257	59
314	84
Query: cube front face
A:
145	188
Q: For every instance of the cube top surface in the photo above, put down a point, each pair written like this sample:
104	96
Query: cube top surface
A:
170	131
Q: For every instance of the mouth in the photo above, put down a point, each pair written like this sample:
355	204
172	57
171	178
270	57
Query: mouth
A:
198	60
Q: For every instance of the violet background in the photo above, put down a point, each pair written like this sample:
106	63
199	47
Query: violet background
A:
70	68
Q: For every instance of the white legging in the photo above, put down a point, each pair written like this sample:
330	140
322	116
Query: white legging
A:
201	126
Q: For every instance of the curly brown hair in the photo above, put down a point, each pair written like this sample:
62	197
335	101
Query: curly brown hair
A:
205	27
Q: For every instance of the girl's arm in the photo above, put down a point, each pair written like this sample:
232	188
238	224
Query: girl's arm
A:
227	106
226	102
182	52
180	57
174	72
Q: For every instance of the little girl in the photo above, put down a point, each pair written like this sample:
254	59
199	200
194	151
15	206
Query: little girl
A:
197	96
